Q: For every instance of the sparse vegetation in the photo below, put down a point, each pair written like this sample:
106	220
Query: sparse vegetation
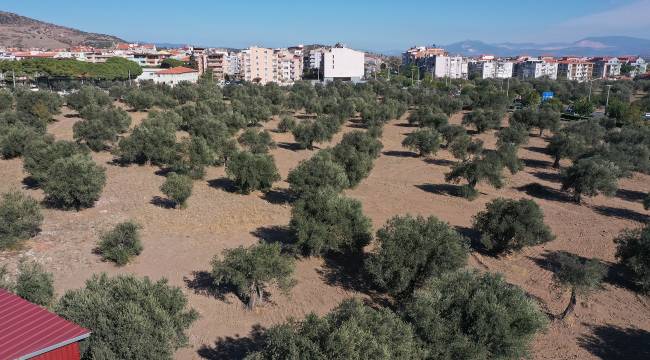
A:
252	172
178	188
121	243
20	218
633	251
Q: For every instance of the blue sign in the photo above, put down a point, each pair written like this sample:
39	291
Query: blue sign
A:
547	95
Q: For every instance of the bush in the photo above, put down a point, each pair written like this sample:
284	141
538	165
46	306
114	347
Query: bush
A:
34	284
139	100
327	222
464	315
483	120
286	124
508	225
152	141
14	139
20	218
88	95
590	177
486	167
633	251
307	132
319	172
6	100
178	188
355	153
257	142
192	156
121	243
425	141
351	331
252	172
515	135
412	249
74	182
251	270
42	104
579	274
130	318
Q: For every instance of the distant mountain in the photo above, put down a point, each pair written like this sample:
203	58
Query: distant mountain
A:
591	46
24	32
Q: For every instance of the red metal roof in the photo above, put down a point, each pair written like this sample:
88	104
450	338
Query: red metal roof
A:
29	330
176	70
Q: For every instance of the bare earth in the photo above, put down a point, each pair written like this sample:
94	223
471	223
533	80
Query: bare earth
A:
179	245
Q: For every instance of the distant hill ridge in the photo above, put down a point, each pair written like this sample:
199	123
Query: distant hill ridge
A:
21	31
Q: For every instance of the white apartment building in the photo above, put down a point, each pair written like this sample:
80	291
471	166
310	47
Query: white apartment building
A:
575	69
342	63
453	67
258	65
315	58
232	65
491	69
170	76
290	65
639	66
606	67
534	68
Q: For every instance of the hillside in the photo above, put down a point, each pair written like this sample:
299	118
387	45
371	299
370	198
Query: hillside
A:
24	32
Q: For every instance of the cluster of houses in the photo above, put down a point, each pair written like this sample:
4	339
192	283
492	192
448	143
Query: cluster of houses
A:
440	64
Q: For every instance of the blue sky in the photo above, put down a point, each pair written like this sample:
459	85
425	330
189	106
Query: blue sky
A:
370	25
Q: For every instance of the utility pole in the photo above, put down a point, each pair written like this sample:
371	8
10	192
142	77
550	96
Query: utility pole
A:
591	83
508	88
13	77
607	101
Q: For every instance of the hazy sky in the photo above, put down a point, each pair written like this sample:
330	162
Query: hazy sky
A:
370	25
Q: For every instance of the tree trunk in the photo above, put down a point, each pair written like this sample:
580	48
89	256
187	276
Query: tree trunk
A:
556	163
571	306
252	297
577	198
541	132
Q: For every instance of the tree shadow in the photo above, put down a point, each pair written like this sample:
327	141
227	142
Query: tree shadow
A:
625	214
439	162
355	125
396	153
474	238
290	146
234	347
441	189
630	195
30	183
202	283
279	197
163	171
407	125
537	164
162	202
544	192
277	234
547	176
615	342
224	184
537	149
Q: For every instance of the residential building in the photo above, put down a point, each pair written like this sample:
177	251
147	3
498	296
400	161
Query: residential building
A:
216	62
417	54
175	75
575	69
453	67
341	63
289	66
534	68
638	64
488	67
232	66
606	67
314	58
258	65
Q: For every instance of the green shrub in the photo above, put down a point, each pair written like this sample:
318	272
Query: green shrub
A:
178	188
318	172
130	318
252	172
121	244
590	177
324	222
34	284
257	142
192	156
74	182
14	139
633	251
351	331
152	141
42	104
464	315
139	100
509	225
425	141
483	120
42	153
88	95
251	270
412	249
20	218
286	124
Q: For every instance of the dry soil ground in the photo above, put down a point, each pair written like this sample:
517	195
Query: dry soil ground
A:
178	245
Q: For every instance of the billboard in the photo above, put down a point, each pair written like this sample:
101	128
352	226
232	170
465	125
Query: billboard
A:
547	95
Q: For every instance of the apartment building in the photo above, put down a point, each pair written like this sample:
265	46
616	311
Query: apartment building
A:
290	66
314	58
575	69
606	67
490	68
453	67
638	64
341	63
232	66
216	62
258	65
418	54
534	68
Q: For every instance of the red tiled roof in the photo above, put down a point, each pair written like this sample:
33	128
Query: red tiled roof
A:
176	70
29	330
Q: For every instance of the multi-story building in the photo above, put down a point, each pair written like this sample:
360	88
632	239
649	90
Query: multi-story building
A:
606	67
341	63
314	58
575	69
534	68
417	55
216	62
488	67
453	67
232	70
258	65
638	65
290	65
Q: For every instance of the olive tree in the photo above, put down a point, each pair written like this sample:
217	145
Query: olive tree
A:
257	142
465	315
88	95
565	145
6	100
20	218
14	139
488	167
130	318
590	177
318	172
286	124
74	182
633	251
350	331
483	120
121	243
42	104
424	141
325	221
178	188
508	225
412	249
152	141
307	132
192	156
42	153
250	270
578	274
34	284
252	172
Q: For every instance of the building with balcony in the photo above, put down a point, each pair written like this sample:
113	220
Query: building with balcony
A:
638	65
452	67
289	66
535	68
258	65
606	67
575	69
490	68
